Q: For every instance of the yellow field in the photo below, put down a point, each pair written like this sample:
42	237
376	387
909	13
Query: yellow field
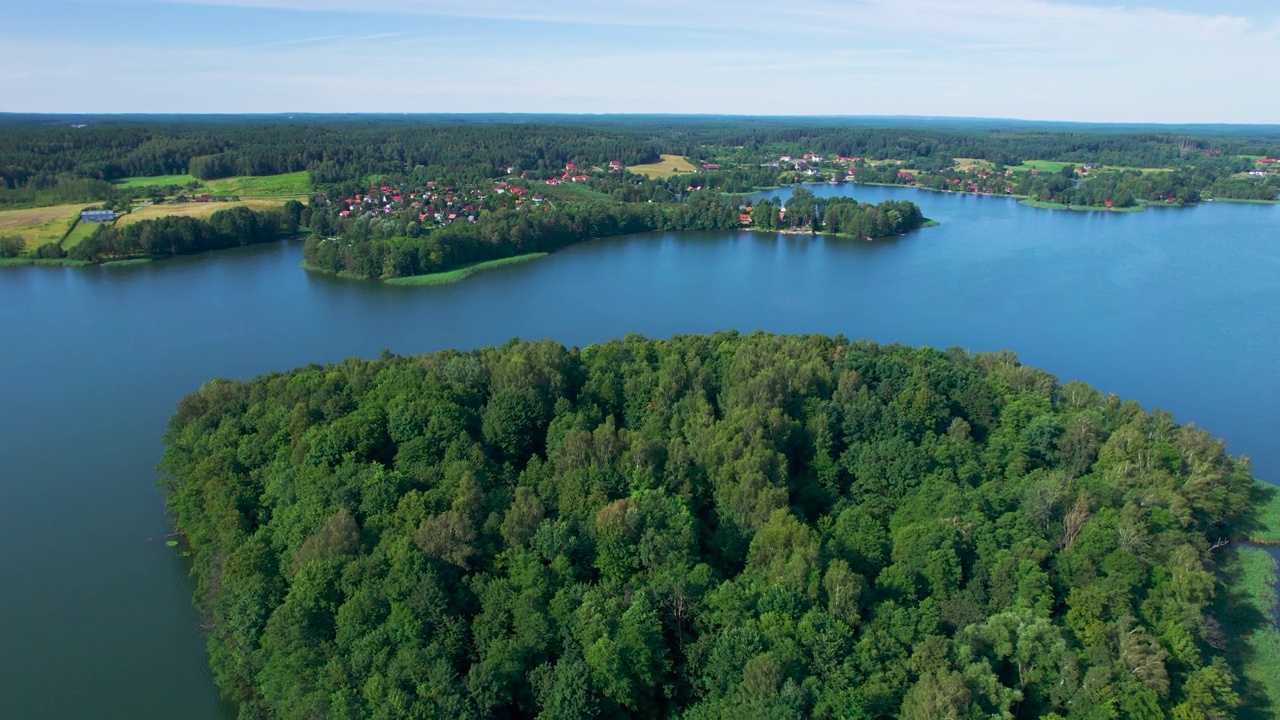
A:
668	166
37	226
973	164
193	209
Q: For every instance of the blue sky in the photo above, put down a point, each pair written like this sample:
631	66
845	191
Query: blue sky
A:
1173	61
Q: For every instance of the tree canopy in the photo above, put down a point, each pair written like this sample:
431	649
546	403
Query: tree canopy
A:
703	527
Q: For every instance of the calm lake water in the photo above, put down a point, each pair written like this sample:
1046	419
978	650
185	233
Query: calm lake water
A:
1179	309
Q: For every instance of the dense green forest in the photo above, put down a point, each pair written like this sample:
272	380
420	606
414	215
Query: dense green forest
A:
706	527
44	161
398	247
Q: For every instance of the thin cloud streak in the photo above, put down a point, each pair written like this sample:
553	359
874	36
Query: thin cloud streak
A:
982	58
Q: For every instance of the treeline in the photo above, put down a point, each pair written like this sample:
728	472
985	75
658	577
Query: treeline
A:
335	152
339	153
400	247
837	215
178	235
379	250
706	527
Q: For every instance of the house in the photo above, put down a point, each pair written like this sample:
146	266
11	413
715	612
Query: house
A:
205	198
95	216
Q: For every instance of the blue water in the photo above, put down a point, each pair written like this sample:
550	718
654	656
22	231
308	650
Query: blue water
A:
1178	309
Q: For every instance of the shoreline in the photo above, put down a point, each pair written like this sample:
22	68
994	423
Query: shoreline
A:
441	278
928	223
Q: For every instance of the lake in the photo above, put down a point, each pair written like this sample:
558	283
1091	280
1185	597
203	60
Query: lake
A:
1176	308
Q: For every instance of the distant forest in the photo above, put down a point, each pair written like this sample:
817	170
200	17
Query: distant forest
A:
387	197
43	162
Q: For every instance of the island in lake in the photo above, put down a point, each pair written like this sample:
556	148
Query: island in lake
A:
712	526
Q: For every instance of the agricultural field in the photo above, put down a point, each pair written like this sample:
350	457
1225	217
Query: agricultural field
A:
296	184
81	231
193	209
155	181
973	164
573	192
37	226
1051	166
1130	167
668	166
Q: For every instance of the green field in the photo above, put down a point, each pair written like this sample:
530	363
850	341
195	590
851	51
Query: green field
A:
668	166
155	181
574	192
296	184
78	233
1249	577
1044	165
1130	167
462	272
37	226
193	209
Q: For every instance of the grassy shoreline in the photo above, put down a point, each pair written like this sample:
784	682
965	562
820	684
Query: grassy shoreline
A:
1266	502
23	261
1247	201
1081	208
463	272
1248	577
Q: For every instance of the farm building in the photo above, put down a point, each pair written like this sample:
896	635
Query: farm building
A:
97	216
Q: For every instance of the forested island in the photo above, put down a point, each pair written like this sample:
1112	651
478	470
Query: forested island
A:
711	526
396	198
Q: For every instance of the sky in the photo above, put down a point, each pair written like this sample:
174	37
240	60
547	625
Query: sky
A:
1177	61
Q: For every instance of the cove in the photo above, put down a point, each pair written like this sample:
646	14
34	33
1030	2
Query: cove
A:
1175	308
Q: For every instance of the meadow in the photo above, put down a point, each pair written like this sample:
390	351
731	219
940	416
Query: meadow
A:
37	226
156	181
78	233
193	209
668	166
296	184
